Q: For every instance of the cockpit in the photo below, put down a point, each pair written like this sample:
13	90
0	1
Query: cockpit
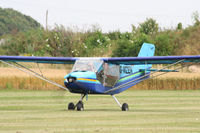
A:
108	74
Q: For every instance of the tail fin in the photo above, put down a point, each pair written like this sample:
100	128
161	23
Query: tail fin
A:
147	50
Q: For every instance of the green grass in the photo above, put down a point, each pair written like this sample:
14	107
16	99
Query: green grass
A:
28	111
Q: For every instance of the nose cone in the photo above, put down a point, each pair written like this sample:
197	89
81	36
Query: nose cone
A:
80	81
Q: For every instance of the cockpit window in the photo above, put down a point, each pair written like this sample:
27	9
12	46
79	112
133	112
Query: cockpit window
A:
87	65
109	75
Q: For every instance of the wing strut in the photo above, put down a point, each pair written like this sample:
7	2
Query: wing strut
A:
31	72
135	81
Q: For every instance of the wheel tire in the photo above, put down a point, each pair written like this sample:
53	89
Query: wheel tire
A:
80	106
125	107
71	106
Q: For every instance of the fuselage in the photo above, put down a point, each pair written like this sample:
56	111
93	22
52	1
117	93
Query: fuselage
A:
103	78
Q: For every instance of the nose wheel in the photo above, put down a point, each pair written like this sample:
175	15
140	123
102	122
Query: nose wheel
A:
79	106
71	106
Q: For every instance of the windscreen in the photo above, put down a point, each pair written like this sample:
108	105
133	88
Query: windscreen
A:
87	65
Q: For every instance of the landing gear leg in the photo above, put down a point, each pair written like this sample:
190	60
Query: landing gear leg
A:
124	106
79	105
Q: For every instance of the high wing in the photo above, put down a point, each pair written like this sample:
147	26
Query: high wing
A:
35	59
113	60
153	59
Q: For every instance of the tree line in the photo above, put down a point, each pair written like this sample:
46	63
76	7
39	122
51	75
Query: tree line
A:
70	42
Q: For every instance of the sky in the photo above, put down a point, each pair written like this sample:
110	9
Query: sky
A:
109	15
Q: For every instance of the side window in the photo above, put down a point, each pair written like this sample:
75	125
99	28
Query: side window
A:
111	74
126	69
108	74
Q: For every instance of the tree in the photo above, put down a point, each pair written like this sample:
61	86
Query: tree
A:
179	26
149	27
195	17
127	48
163	43
123	48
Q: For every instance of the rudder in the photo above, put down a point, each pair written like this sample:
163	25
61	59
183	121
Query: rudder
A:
147	50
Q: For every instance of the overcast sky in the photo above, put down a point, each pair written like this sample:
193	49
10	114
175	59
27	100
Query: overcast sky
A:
110	15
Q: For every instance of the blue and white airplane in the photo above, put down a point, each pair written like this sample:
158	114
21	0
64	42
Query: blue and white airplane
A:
103	76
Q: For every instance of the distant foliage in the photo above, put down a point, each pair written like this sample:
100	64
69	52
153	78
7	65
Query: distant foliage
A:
27	43
189	41
12	21
130	45
69	43
196	18
56	42
179	26
164	44
149	27
115	35
97	39
21	35
123	49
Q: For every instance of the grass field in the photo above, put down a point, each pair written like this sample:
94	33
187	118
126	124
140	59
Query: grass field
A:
29	111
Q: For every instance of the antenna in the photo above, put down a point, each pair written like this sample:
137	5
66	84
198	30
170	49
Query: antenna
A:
47	20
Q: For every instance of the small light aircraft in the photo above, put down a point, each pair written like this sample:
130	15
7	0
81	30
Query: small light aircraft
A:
104	76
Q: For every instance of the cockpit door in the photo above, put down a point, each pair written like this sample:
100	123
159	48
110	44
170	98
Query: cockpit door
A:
109	74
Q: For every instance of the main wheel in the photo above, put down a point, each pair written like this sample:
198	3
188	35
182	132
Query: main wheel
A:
71	106
80	106
125	107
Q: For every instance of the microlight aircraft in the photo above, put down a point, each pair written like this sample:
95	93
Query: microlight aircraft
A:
104	76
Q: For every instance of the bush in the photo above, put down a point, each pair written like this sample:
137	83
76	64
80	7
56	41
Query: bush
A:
149	27
164	44
28	42
116	35
123	49
97	39
179	26
126	47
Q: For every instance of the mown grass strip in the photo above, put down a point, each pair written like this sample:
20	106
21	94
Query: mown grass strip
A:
150	111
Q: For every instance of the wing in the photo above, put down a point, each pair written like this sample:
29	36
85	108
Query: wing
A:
153	60
113	60
52	60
